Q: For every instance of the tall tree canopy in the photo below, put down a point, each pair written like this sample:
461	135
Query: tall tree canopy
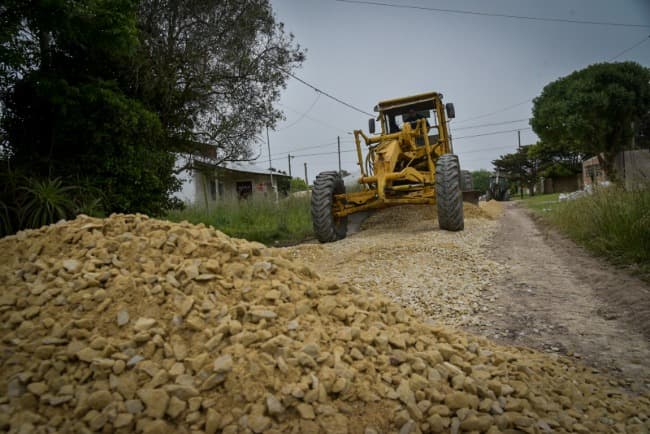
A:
594	110
108	93
212	70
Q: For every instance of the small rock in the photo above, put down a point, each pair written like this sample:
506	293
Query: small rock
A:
223	364
134	360
58	400
312	349
37	388
155	401
457	400
408	427
156	427
186	305
212	422
143	324
175	407
87	354
306	411
258	423
273	405
119	366
134	406
100	399
122	318
437	423
405	393
71	265
122	420
339	385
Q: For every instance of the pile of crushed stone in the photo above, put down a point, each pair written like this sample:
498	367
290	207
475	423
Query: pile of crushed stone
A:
130	324
407	214
491	209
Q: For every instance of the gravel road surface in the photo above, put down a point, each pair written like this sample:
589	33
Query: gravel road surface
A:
505	277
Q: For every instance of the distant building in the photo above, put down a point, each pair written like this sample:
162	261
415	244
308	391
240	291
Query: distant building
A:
561	184
632	169
592	173
230	181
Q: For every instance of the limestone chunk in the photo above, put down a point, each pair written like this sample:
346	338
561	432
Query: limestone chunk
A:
155	401
223	364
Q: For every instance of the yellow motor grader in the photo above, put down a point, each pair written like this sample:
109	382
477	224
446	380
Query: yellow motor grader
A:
410	162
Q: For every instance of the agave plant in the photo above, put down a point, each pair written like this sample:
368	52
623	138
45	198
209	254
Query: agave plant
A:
6	222
44	202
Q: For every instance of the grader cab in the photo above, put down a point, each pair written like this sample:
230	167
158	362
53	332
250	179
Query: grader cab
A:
410	161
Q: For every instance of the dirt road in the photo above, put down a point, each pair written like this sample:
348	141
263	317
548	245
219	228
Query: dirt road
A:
507	278
557	297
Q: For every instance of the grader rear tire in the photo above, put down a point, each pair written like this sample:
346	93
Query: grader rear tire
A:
466	182
327	228
449	198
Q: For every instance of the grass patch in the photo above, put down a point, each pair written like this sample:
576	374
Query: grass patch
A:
541	203
286	222
611	222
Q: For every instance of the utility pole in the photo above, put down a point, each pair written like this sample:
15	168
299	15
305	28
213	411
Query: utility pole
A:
268	144
338	141
306	180
521	181
289	157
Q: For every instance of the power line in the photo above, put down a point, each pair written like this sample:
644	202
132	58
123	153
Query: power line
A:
473	151
490	14
314	119
340	101
492	133
491	124
302	116
495	112
317	154
641	42
282	155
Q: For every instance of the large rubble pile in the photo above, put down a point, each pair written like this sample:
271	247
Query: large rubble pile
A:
130	324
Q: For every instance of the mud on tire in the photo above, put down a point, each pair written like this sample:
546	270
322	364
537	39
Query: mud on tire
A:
327	228
449	198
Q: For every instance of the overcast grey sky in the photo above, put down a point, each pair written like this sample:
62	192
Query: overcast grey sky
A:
367	53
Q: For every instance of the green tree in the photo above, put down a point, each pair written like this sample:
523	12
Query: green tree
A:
594	110
555	161
106	94
212	70
522	166
298	184
481	179
68	110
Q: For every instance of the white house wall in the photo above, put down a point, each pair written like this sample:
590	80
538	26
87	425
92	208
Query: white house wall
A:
199	186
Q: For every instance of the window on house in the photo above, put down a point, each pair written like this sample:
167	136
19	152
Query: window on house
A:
244	189
221	189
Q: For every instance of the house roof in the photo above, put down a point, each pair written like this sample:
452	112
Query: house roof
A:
249	167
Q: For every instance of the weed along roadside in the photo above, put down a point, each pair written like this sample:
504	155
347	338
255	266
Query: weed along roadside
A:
133	324
611	222
286	222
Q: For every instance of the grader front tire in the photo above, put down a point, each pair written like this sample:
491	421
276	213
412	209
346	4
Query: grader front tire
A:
449	198
327	228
